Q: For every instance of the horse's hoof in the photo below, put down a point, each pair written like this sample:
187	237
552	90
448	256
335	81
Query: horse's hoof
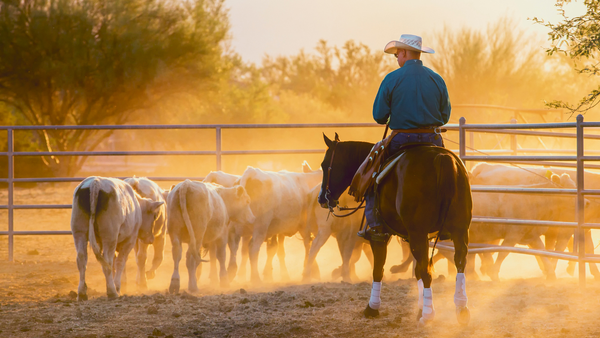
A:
112	295
82	297
551	277
463	315
419	314
150	274
370	313
398	269
174	287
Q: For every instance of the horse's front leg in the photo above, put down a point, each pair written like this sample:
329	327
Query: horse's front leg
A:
461	242
419	246
379	254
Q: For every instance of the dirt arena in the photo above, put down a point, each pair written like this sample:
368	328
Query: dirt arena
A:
37	295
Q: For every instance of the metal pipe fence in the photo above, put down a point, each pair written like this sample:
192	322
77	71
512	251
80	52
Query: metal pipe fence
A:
494	155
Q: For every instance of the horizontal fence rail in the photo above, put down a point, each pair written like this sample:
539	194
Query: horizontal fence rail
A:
564	159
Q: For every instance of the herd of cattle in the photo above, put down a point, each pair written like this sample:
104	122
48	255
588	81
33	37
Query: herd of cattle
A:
259	206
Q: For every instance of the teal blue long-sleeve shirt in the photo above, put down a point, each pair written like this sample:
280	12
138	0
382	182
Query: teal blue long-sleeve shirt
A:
414	96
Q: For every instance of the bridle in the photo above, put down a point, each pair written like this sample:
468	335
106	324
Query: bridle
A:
328	192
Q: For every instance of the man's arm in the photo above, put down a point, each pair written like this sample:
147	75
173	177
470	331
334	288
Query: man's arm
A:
382	105
445	106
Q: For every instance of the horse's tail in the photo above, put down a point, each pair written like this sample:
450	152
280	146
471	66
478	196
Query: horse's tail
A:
446	172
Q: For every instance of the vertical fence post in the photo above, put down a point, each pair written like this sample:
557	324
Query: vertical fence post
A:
218	148
580	233
513	139
461	138
11	176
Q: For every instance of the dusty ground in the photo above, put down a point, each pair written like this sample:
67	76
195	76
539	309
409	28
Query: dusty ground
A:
36	296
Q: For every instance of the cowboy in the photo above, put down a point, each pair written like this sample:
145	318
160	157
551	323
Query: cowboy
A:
414	101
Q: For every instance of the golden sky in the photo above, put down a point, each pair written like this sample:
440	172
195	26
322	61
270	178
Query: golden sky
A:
283	27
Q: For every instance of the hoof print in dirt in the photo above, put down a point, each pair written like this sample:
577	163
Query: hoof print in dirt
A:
157	333
244	301
370	313
152	310
306	305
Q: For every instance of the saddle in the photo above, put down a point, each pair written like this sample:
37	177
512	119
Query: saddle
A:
375	164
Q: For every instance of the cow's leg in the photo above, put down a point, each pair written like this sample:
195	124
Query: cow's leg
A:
470	268
546	263
233	242
406	256
283	271
317	243
487	264
551	239
141	253
589	248
120	262
572	264
192	265
258	238
213	275
107	269
159	255
221	253
246	242
177	250
495	270
82	256
351	252
380	254
271	251
419	246
461	242
307	241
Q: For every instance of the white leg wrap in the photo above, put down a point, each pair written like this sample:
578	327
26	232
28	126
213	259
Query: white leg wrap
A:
375	301
428	310
460	293
420	286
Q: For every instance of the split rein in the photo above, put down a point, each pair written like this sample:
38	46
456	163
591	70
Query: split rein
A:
327	192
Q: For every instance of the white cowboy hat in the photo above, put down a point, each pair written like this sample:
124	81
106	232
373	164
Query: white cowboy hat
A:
408	42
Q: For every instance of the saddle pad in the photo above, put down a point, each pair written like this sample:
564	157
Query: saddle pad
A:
387	168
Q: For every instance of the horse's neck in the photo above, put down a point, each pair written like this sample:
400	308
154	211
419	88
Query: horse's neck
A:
357	152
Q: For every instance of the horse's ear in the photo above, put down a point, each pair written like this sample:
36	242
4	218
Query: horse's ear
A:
337	138
328	142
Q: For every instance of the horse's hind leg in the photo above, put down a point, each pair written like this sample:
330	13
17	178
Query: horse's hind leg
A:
379	255
419	246
461	242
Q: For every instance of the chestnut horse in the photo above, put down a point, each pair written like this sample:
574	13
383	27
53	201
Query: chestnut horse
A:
427	192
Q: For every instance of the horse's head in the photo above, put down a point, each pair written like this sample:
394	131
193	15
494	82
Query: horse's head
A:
333	167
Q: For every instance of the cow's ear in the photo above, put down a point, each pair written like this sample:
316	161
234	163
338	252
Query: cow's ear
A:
155	205
328	142
337	138
239	191
173	186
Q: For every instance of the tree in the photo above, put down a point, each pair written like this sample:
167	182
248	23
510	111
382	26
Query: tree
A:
578	38
91	62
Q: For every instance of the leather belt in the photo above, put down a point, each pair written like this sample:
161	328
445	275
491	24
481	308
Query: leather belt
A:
436	130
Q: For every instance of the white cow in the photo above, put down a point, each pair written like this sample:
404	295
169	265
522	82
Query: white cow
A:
237	232
112	216
343	229
279	202
148	189
556	239
199	214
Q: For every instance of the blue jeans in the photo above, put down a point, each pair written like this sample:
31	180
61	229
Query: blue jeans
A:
398	141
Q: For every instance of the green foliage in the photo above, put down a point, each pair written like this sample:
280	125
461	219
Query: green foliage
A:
578	38
98	61
345	78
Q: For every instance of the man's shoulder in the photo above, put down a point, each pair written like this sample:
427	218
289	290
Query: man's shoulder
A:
433	73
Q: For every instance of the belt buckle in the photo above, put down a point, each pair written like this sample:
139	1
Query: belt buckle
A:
437	130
